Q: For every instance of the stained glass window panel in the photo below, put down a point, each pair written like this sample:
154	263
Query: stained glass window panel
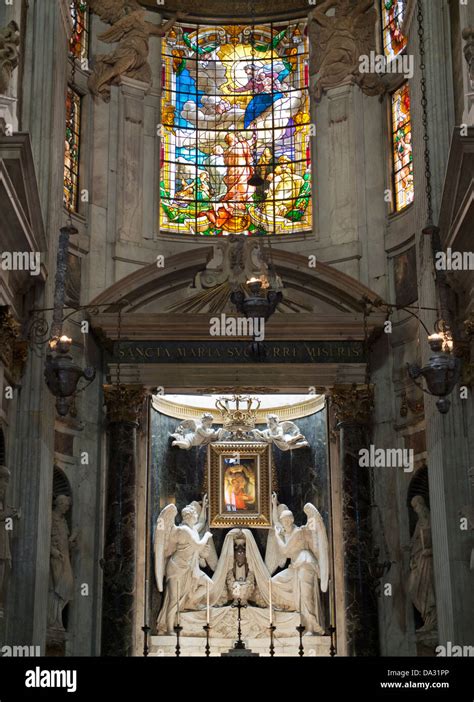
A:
402	148
78	44
71	149
393	13
235	155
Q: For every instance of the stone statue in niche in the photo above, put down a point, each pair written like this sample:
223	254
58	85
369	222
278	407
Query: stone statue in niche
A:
180	552
61	588
7	515
285	435
240	579
196	433
298	587
9	53
131	31
337	42
421	578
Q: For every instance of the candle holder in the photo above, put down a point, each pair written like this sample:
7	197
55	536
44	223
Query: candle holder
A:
207	629
272	628
301	629
178	629
146	630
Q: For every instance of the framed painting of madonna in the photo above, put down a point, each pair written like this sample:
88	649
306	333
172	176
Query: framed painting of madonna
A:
239	484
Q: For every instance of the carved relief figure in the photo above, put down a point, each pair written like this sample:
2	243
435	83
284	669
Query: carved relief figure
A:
9	53
421	579
196	433
337	42
6	513
298	587
179	553
61	589
285	435
131	31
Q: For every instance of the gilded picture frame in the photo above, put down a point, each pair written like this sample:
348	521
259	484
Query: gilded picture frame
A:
239	484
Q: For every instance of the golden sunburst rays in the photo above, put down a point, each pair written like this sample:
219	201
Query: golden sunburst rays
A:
213	301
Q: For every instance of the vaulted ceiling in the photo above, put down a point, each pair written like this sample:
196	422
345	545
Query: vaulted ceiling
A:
233	9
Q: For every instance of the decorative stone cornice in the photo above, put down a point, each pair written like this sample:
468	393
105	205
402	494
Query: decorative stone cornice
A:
13	349
288	412
124	402
353	404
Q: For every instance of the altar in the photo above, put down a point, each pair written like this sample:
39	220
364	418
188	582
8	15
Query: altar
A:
233	564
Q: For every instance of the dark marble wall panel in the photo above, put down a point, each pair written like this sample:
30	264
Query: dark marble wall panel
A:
178	476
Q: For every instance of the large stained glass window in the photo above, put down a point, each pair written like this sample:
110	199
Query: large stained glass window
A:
402	148
71	149
393	13
235	155
78	44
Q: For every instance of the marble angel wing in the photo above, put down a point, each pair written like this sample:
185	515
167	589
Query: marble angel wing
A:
163	541
185	430
203	526
364	27
317	542
273	557
118	30
289	429
112	11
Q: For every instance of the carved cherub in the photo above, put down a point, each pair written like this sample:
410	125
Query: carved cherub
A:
193	432
131	31
338	41
285	435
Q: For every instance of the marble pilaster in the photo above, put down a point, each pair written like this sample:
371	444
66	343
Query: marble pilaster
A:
123	404
353	407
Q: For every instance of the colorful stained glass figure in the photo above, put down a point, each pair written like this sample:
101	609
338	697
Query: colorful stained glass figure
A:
78	44
402	148
393	13
71	149
235	147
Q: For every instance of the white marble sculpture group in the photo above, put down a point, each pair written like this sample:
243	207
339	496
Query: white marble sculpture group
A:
192	598
285	435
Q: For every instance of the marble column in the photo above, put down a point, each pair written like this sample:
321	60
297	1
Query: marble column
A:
352	408
124	404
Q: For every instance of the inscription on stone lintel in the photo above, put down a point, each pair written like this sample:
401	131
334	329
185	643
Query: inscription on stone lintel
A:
237	352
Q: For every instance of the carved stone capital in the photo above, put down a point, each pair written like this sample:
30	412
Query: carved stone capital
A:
124	402
353	404
9	53
13	348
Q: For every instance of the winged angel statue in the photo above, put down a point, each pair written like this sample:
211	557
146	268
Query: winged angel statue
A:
196	433
131	31
298	587
179	552
285	435
337	42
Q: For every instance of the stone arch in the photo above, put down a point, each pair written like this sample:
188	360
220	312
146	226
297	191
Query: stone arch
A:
323	288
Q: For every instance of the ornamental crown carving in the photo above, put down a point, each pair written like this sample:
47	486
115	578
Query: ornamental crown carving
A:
243	416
